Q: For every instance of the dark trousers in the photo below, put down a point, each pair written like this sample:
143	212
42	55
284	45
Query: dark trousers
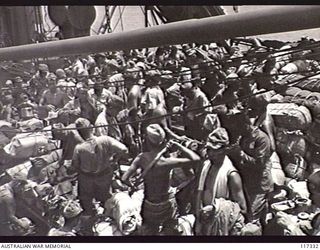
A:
93	186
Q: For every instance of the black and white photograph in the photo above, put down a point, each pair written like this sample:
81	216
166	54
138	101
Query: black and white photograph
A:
160	120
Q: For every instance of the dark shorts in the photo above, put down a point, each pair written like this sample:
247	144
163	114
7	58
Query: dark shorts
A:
93	186
158	213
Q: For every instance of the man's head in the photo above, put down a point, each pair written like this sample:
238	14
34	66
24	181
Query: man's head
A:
152	77
187	89
61	74
100	58
43	69
155	135
132	72
84	128
18	81
98	85
247	126
81	92
52	81
313	184
8	84
7	99
24	97
216	144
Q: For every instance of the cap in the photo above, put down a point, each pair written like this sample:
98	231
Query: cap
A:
60	73
8	83
155	134
82	123
18	79
218	138
100	55
232	76
51	76
43	67
213	46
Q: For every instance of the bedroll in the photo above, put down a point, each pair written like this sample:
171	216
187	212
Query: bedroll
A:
290	116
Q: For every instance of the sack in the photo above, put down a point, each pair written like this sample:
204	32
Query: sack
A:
313	133
28	145
106	228
290	144
295	67
302	94
297	169
20	171
31	125
310	84
313	106
292	91
290	116
123	208
185	224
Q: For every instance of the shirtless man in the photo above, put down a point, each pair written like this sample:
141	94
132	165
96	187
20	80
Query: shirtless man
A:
218	178
159	206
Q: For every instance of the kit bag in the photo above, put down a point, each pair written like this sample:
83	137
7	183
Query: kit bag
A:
290	144
28	145
310	84
313	133
290	115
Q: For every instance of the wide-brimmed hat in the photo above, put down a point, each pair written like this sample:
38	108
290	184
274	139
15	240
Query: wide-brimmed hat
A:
218	138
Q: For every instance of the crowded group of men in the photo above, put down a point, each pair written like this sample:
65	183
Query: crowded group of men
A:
181	132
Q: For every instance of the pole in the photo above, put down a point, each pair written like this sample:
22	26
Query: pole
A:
278	19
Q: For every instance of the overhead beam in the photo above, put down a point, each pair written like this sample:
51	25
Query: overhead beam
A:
269	20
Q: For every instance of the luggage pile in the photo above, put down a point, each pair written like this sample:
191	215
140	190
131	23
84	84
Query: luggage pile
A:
296	117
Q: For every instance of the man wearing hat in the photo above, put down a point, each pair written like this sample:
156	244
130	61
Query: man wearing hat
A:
82	76
92	160
219	178
154	105
19	88
159	206
53	98
99	94
39	81
64	84
196	101
254	161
